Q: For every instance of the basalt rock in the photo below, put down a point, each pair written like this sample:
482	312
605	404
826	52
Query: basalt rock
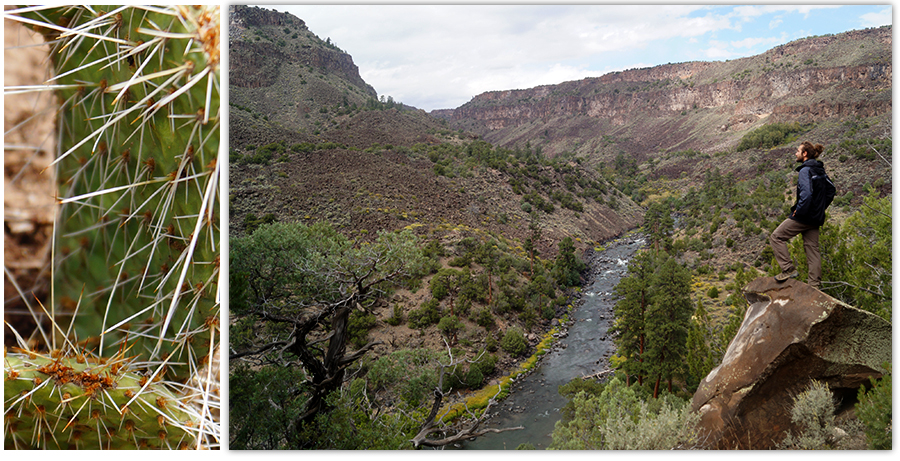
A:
704	106
791	334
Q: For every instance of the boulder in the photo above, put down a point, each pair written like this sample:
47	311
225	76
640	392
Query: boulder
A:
791	334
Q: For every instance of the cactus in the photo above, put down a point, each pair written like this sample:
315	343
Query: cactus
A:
136	260
90	403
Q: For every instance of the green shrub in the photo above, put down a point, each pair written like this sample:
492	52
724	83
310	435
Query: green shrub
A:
513	342
474	378
396	317
486	364
251	222
813	413
412	374
548	312
460	261
434	249
713	293
490	343
449	326
619	419
303	147
874	410
441	283
426	315
769	136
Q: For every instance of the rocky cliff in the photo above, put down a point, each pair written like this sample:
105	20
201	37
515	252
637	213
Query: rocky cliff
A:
791	334
262	41
281	74
705	106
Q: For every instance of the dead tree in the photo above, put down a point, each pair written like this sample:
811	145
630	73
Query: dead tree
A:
432	426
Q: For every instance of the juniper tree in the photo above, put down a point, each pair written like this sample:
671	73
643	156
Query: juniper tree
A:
857	257
294	287
487	256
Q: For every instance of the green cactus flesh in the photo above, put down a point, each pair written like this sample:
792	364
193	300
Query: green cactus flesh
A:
136	256
78	402
137	238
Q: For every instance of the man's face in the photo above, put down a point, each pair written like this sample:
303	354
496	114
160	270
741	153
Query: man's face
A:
801	156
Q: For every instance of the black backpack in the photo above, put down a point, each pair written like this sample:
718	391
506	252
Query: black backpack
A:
823	194
823	185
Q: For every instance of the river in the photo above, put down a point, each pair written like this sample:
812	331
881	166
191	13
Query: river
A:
534	401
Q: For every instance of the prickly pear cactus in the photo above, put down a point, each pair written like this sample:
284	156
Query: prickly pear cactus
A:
89	403
136	260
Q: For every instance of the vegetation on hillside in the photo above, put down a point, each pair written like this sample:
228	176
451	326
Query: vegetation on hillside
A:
302	299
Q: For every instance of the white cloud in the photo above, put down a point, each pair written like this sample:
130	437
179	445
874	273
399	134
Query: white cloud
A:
878	19
754	42
440	56
717	51
416	51
749	12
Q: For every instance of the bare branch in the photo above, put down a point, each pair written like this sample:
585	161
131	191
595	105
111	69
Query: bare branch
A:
257	351
348	359
597	374
421	439
842	283
429	426
877	211
462	435
879	153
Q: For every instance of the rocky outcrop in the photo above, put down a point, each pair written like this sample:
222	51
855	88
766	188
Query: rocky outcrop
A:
261	42
764	94
842	76
791	334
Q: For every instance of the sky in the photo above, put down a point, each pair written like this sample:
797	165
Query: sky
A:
441	56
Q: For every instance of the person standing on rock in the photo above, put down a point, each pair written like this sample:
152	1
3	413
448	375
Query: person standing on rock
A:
815	191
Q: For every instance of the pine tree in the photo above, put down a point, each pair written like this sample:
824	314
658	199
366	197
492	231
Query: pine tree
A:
631	312
701	357
488	256
659	226
856	257
667	323
568	267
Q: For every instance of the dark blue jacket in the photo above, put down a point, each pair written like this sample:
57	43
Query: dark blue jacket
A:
813	195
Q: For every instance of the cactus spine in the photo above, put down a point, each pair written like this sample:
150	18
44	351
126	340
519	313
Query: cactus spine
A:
136	265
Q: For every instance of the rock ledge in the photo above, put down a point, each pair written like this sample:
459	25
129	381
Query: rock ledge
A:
791	334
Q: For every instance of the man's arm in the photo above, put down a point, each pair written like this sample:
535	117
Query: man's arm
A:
804	194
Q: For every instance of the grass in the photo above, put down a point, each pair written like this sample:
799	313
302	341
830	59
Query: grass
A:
480	399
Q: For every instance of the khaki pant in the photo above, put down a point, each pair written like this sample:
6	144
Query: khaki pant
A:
787	230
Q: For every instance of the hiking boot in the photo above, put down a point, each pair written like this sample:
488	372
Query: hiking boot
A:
785	275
